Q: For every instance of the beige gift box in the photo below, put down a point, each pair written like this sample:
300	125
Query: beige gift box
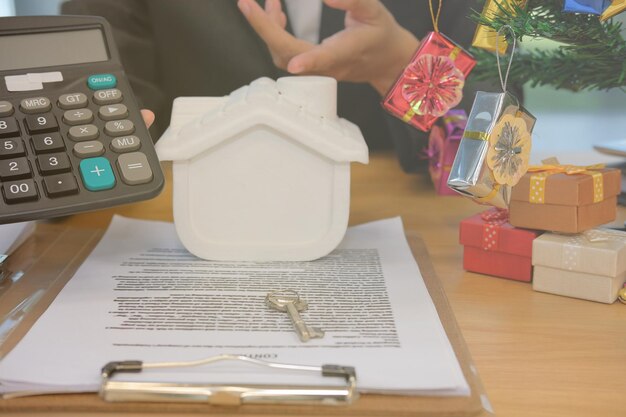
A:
591	265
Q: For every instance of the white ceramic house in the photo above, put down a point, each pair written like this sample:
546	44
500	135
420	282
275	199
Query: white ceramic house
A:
264	173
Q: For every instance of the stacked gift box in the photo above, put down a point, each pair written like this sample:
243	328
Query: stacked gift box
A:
571	258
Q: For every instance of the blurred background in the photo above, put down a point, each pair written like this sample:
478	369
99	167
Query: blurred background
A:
568	124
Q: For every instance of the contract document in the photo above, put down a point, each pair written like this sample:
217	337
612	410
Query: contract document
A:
11	235
140	295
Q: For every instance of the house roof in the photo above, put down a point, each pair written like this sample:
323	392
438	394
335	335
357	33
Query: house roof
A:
199	124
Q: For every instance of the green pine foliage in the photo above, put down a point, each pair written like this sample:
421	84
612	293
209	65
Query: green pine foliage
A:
592	55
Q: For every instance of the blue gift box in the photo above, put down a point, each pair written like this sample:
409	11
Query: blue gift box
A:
586	6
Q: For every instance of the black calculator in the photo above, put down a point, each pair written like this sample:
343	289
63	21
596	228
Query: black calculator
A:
72	137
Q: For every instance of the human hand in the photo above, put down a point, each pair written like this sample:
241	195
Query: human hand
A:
372	47
148	117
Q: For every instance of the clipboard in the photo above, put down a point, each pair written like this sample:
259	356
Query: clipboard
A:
51	256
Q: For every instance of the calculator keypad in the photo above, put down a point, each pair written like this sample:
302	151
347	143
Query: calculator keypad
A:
60	185
35	105
54	163
9	127
57	147
85	132
97	174
51	142
11	147
78	117
72	101
19	191
15	168
41	123
6	108
109	96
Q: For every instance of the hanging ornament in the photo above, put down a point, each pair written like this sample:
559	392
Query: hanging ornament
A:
616	7
509	150
585	6
443	143
485	37
495	148
432	83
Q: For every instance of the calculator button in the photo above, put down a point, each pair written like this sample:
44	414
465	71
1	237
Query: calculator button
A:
110	96
19	191
41	123
9	127
119	128
135	168
6	108
11	147
72	101
113	111
60	185
35	105
101	81
88	149
54	163
15	168
78	117
47	143
85	132
97	174
125	144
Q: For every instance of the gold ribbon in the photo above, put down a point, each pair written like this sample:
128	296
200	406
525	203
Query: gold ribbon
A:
475	135
434	17
537	189
490	196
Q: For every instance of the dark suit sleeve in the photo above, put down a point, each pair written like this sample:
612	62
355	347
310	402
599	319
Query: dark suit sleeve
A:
133	35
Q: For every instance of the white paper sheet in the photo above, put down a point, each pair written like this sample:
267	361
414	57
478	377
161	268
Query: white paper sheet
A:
140	295
9	234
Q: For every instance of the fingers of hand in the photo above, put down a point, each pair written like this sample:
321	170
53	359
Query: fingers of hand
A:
275	12
267	24
363	10
336	56
148	117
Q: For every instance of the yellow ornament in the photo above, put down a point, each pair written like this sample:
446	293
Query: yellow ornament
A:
616	7
485	37
622	295
509	150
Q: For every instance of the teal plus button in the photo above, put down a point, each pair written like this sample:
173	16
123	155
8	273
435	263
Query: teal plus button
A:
97	174
101	81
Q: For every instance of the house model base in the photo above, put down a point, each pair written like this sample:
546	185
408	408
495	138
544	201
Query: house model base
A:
264	173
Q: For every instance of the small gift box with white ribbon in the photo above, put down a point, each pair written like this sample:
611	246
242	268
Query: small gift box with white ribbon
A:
494	247
565	198
591	265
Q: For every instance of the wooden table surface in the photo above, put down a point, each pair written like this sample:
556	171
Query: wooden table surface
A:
538	354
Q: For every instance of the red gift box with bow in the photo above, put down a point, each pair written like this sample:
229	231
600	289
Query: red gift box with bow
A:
493	247
431	84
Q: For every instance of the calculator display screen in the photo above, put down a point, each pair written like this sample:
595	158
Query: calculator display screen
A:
48	49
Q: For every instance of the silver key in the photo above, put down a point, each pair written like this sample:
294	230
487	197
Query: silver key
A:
290	301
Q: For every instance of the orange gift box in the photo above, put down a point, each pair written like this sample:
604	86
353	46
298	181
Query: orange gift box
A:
567	199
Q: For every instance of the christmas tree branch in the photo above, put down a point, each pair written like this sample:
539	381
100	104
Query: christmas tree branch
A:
592	54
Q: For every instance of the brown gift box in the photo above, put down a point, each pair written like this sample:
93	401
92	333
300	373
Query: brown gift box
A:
568	202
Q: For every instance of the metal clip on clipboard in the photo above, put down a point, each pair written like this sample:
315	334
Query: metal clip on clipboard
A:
232	395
